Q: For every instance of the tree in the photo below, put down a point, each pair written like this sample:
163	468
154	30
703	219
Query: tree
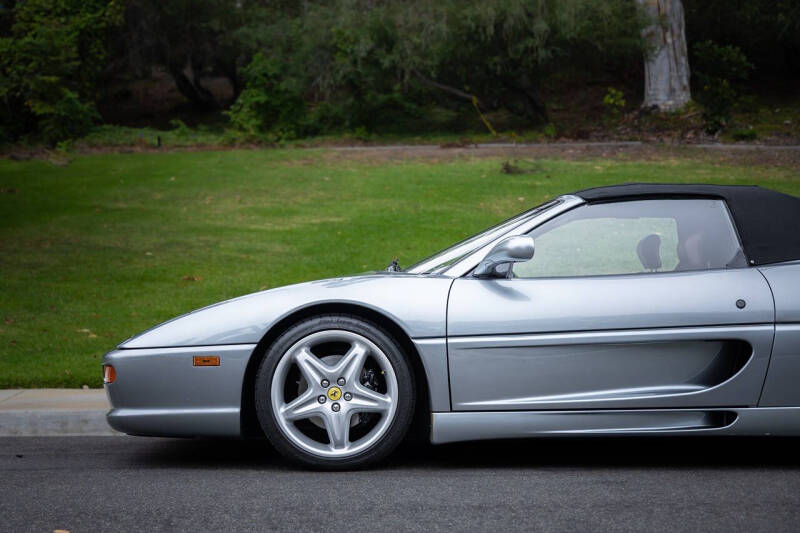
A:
666	68
51	56
766	31
505	51
364	63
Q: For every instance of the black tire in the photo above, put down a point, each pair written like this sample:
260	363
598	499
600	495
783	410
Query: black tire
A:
406	400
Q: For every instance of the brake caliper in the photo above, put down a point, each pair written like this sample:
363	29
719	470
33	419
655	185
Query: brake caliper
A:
371	380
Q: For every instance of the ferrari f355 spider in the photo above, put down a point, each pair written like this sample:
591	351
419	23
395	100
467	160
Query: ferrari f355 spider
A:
647	309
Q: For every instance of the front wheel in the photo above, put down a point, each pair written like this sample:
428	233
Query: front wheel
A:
335	392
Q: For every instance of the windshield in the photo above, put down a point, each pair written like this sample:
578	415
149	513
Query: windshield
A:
441	260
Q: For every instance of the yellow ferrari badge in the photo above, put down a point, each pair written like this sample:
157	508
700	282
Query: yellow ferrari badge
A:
334	393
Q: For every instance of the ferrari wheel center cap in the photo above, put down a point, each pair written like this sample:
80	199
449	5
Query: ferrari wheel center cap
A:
334	393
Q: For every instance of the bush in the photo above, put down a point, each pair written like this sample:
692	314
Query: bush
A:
50	63
614	102
270	104
66	118
716	69
745	135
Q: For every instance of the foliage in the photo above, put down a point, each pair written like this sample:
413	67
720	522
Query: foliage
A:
180	129
50	63
550	130
377	64
614	101
118	136
376	67
270	102
766	31
716	69
748	134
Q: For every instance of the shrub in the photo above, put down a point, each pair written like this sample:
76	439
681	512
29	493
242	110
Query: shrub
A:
65	118
270	103
180	129
50	64
745	135
716	69
614	102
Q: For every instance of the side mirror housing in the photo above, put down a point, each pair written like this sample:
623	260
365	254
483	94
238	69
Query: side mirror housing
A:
497	263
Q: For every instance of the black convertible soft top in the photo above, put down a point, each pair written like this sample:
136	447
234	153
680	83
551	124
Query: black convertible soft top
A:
768	221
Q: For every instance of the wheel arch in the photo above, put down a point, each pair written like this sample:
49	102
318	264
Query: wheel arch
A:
250	426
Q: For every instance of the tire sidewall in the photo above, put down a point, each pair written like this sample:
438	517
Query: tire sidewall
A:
406	395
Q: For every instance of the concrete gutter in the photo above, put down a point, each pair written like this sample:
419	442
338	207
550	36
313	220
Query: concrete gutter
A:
50	412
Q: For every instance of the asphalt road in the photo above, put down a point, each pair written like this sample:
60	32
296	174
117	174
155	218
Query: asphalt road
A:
140	484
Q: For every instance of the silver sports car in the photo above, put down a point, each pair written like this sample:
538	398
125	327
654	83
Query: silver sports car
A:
653	309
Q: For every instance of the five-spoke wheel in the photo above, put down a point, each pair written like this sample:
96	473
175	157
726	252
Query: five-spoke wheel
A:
335	391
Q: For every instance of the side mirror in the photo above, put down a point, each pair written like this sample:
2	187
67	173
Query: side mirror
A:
497	263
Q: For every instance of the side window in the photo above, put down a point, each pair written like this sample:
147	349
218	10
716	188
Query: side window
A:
635	237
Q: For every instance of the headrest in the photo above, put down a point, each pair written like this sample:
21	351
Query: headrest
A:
649	251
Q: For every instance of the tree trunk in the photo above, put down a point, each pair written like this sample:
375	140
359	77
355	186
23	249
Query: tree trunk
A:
666	66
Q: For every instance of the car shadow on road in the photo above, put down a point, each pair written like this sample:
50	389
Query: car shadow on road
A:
635	452
661	452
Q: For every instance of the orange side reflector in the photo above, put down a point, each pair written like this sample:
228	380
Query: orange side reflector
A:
109	374
206	360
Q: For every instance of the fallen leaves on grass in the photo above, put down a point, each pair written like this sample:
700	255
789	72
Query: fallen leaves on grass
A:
88	332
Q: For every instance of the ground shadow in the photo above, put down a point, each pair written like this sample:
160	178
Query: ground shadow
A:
656	452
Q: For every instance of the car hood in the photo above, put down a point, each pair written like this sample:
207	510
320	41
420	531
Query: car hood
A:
416	303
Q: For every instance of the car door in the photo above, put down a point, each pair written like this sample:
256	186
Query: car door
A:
634	304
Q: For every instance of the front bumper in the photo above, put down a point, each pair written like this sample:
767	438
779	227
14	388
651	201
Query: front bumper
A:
159	392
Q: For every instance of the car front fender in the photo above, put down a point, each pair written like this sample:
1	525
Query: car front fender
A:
417	304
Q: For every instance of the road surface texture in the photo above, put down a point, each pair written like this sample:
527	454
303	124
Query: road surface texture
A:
142	484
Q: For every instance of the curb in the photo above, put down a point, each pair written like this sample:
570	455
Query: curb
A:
54	412
41	423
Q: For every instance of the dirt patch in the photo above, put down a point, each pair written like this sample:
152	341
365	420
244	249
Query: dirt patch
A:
762	156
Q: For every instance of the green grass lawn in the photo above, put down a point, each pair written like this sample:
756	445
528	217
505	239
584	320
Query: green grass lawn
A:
96	251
